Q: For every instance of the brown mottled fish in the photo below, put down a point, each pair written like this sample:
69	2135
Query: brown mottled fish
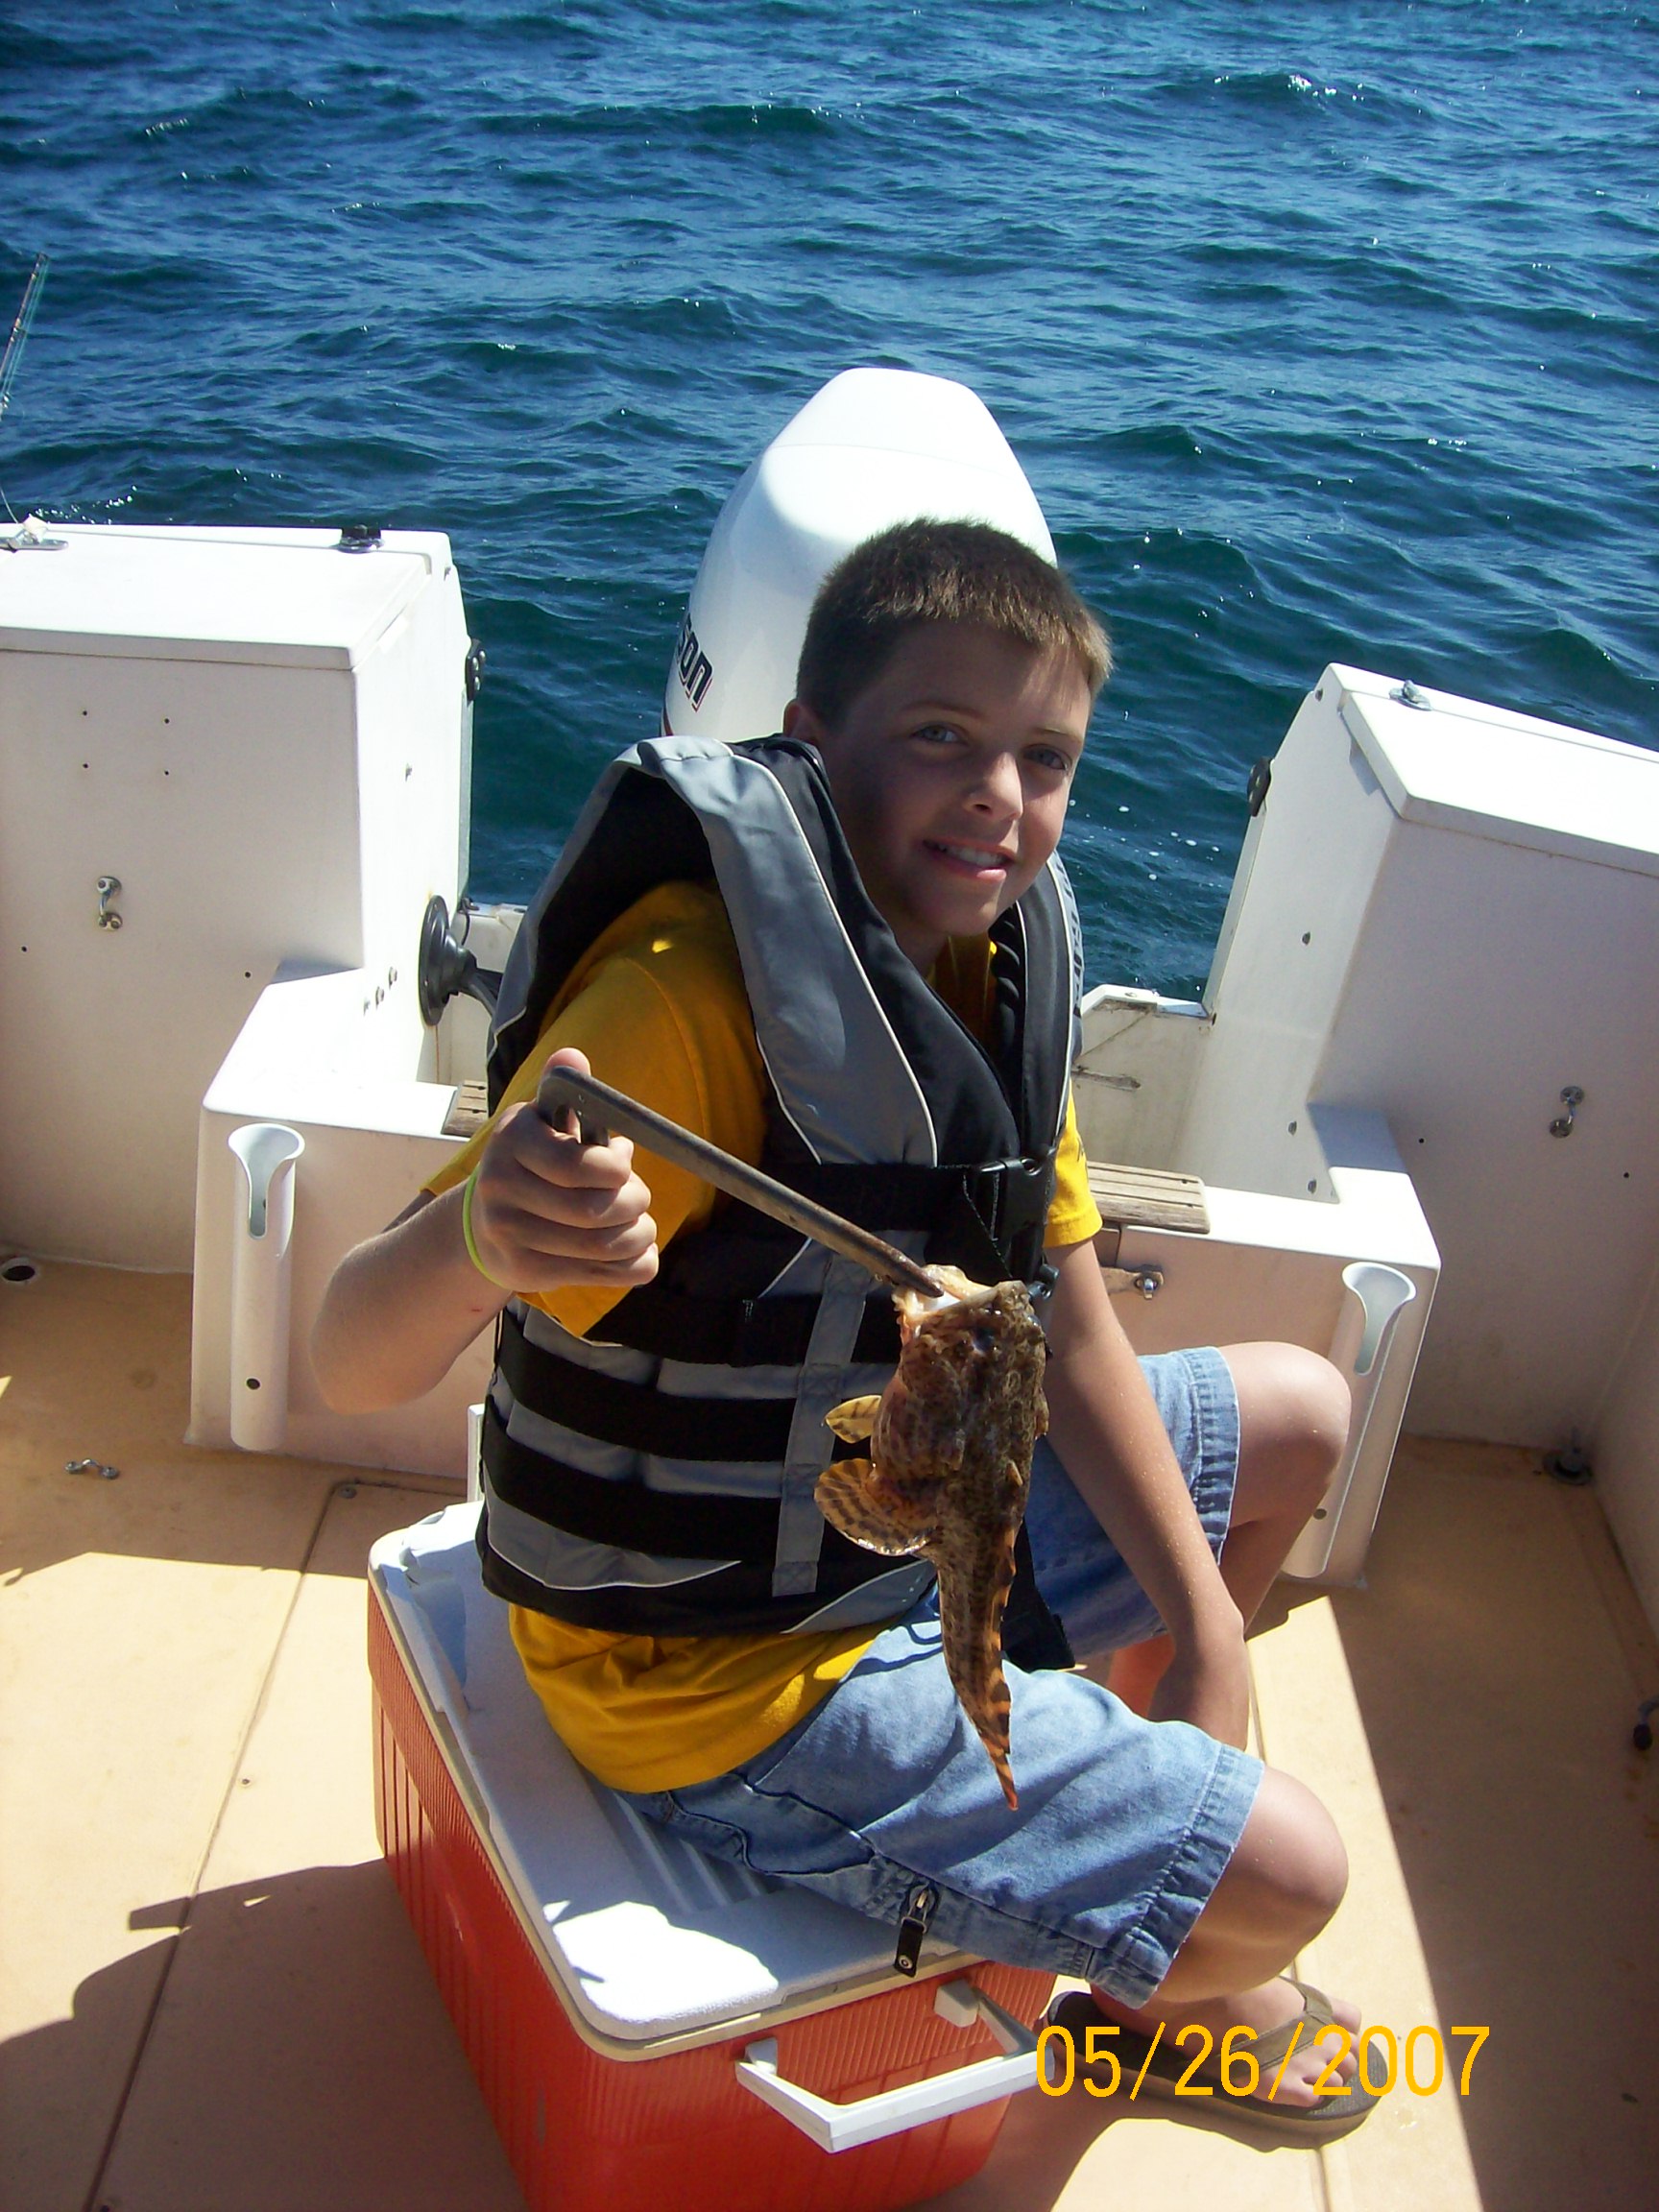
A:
949	1469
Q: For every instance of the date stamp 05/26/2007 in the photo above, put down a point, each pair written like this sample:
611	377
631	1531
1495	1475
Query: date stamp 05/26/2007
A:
1418	2061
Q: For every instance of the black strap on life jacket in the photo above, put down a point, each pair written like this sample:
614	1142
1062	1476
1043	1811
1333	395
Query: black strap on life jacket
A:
989	1221
640	1419
734	1600
698	1527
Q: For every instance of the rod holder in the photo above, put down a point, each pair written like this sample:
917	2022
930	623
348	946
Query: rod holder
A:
474	1452
261	1284
1374	1298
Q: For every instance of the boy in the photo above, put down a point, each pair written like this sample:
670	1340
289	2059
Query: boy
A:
873	999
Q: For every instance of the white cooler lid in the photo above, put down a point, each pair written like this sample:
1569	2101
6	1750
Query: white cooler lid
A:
645	1937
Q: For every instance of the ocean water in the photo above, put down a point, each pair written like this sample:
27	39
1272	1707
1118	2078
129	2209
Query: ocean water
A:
1323	333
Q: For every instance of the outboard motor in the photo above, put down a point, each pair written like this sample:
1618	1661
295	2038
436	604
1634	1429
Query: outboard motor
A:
873	447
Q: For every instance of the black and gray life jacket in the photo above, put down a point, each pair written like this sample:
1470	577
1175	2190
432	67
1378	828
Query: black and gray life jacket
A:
657	1476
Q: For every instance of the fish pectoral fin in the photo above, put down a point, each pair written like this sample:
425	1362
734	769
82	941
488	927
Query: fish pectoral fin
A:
853	1496
852	1419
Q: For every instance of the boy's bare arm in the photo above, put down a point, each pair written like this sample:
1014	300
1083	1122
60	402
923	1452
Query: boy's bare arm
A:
547	1212
1106	1428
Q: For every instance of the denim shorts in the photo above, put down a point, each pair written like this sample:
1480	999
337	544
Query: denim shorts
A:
1125	1826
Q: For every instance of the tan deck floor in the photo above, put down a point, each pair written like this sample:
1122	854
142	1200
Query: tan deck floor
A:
211	2002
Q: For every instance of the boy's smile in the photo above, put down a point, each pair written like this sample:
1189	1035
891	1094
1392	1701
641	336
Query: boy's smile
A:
952	772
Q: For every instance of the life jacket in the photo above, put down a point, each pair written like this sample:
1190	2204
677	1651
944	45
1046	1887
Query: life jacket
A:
657	1476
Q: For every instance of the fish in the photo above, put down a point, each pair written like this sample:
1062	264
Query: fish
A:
949	1472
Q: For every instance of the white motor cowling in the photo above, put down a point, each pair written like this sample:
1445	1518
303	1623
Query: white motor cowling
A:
873	447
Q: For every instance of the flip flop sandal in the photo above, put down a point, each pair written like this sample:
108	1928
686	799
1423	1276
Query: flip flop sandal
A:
1166	2064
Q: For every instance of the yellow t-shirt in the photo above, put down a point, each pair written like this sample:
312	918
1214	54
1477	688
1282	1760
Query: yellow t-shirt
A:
657	1005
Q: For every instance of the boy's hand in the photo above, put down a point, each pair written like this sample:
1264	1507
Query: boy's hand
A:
548	1210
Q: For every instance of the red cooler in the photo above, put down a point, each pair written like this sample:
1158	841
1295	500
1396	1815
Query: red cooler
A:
654	2030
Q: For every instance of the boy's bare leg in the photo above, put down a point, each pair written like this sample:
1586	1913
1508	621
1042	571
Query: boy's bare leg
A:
1280	1887
1293	1414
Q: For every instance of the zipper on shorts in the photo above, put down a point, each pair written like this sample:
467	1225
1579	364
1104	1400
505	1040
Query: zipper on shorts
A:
918	1912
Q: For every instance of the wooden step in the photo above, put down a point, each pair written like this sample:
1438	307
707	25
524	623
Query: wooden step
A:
1148	1198
470	1111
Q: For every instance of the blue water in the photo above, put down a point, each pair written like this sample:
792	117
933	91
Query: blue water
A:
1323	332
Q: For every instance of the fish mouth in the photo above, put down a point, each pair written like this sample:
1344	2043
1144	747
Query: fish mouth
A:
915	1306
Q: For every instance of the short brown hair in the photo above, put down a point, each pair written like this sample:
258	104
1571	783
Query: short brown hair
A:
927	572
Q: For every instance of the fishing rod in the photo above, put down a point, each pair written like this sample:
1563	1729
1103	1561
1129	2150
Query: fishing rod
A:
21	329
27	537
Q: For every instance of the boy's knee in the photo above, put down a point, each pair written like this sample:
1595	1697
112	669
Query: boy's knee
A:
1319	1861
1289	1871
1294	1411
1321	1397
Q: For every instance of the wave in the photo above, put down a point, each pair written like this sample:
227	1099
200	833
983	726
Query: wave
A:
516	29
717	122
1279	91
25	46
1570	676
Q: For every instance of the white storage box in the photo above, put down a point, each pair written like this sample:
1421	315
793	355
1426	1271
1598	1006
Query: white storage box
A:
260	742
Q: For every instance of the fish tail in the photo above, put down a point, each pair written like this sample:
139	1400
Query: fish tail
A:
971	1608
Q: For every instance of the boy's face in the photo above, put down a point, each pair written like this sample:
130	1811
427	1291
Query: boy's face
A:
952	772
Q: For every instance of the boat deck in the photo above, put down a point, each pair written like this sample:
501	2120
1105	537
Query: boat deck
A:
212	2001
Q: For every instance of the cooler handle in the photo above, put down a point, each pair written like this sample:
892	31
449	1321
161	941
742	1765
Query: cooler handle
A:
890	2111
